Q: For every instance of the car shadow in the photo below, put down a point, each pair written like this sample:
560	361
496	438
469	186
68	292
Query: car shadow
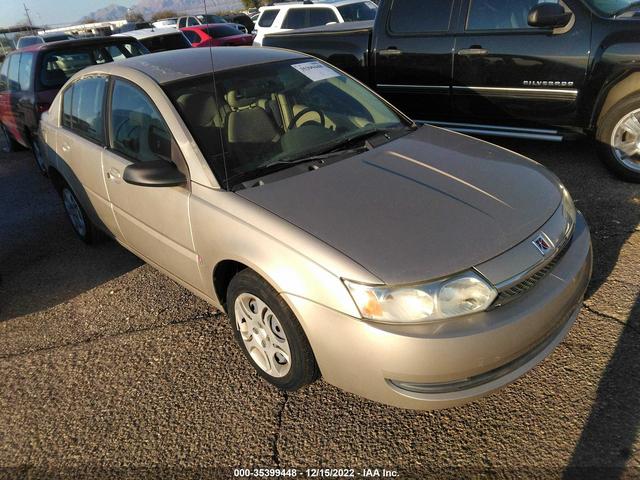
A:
42	261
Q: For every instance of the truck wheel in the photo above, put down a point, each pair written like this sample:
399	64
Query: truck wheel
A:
7	143
618	137
80	222
269	334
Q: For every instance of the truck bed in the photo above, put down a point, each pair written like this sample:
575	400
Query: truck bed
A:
345	45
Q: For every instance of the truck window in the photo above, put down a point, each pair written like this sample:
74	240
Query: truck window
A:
321	16
191	21
418	16
500	14
24	76
3	74
296	18
267	18
59	66
356	12
14	72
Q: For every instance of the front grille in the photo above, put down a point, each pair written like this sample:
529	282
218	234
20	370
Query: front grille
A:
513	292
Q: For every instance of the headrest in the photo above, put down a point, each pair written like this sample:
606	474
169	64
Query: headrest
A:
238	99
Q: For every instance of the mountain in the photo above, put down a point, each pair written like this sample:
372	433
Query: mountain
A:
149	7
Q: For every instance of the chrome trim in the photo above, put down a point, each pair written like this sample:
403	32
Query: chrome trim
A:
537	93
497	131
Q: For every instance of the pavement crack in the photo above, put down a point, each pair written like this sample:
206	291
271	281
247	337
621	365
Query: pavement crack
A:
276	438
613	318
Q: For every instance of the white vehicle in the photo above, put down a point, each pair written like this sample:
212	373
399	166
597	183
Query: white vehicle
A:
166	22
159	39
292	16
194	20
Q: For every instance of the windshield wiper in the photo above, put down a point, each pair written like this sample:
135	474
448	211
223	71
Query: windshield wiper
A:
315	158
631	6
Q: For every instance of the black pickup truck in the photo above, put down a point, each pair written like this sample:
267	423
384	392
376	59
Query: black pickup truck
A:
518	68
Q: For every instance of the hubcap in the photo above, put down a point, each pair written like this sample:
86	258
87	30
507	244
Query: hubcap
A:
74	212
625	141
263	335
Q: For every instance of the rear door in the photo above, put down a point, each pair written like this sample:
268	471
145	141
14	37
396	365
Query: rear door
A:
412	53
153	221
508	73
11	119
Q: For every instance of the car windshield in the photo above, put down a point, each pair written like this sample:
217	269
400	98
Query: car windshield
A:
222	31
277	114
613	7
356	12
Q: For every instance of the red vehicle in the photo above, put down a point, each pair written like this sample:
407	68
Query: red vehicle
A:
31	77
216	35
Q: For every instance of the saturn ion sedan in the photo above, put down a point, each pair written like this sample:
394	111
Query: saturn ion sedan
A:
412	266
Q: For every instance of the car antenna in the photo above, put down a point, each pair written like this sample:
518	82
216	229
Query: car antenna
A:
215	99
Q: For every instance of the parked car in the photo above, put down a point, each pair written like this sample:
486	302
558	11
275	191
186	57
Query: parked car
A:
501	68
166	22
215	35
130	27
160	39
193	20
283	17
31	77
414	266
29	40
241	19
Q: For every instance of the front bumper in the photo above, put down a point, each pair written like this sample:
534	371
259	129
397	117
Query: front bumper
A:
444	364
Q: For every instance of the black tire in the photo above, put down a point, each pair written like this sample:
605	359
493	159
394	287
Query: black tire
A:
90	233
604	135
303	367
38	156
7	143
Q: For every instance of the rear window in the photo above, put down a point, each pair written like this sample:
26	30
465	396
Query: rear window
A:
357	12
267	18
222	31
173	41
56	38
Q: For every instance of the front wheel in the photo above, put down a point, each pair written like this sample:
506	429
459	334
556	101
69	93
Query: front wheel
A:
269	334
618	137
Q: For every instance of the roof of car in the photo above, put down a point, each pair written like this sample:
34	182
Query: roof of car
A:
172	65
204	26
148	33
75	43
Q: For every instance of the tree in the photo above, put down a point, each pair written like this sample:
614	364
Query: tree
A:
134	17
163	14
254	3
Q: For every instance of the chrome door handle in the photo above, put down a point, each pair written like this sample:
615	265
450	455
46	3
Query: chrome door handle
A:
66	147
390	51
473	51
114	175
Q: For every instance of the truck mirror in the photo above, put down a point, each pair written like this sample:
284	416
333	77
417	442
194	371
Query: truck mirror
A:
549	15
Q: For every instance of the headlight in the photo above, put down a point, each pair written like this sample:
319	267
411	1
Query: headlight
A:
452	297
568	211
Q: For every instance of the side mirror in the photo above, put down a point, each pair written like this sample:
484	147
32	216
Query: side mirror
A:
158	173
549	15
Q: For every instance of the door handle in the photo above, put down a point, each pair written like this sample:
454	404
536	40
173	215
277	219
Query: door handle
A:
390	51
114	175
473	51
65	147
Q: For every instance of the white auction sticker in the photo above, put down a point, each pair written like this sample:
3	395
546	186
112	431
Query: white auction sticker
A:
316	71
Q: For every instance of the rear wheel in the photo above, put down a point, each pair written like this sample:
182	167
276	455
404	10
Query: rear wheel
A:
618	138
269	333
80	222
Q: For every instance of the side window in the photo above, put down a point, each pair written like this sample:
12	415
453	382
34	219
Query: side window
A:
411	16
501	14
192	36
137	128
296	18
321	16
67	100
192	21
25	73
267	18
182	22
14	73
87	108
4	85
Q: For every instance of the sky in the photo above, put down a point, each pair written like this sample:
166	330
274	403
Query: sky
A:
51	12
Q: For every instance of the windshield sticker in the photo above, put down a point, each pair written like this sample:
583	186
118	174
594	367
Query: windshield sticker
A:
316	71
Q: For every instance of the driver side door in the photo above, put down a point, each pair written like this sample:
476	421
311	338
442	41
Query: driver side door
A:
153	221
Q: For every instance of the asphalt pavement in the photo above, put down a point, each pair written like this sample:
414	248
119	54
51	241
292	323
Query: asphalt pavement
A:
110	370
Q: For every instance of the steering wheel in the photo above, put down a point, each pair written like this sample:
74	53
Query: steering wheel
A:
304	111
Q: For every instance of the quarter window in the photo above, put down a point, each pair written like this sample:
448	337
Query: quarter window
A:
137	128
418	16
24	76
267	18
14	72
501	14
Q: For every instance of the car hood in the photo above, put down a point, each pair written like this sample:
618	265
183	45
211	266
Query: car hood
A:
430	204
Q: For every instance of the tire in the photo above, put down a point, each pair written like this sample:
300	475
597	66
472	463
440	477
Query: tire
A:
616	128
7	143
287	361
38	156
80	222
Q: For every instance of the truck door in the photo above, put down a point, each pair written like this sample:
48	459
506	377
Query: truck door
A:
413	54
509	73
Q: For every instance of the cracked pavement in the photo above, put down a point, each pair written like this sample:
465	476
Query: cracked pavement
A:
111	370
